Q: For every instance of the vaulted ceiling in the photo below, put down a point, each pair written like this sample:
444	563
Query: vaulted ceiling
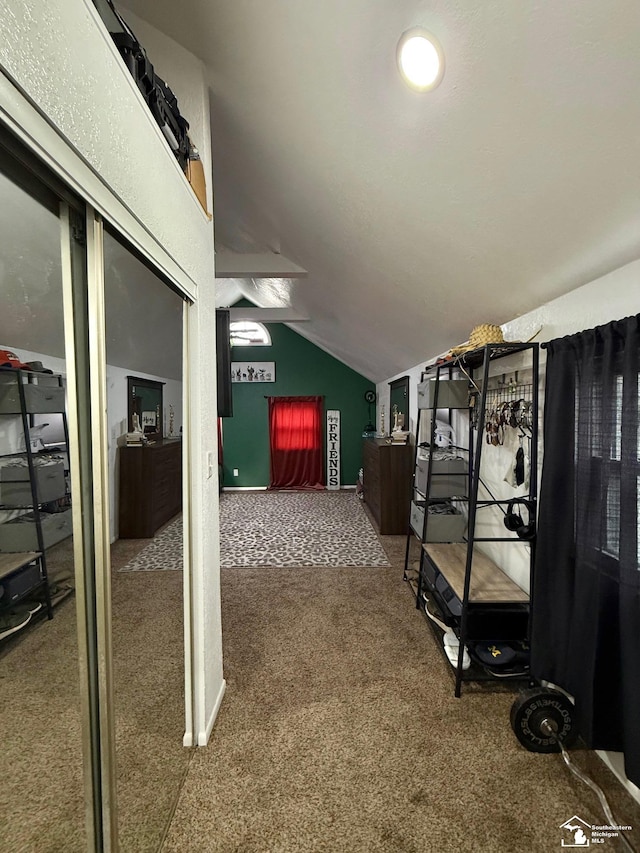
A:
418	216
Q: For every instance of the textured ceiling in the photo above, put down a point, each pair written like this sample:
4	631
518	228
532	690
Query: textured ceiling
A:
419	215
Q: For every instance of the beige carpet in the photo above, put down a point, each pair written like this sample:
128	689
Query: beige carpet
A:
148	652
41	788
41	793
339	731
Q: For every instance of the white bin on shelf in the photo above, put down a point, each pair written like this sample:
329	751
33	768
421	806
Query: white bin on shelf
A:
22	535
449	477
39	399
15	486
442	527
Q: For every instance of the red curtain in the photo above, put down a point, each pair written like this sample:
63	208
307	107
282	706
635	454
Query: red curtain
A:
295	433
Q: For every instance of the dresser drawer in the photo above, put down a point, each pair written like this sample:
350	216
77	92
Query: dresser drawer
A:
371	477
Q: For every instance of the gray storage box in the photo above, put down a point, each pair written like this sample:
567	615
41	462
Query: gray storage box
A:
449	477
22	535
441	527
39	399
15	486
16	585
452	394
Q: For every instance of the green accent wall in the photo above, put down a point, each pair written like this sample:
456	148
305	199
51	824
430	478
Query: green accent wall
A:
301	369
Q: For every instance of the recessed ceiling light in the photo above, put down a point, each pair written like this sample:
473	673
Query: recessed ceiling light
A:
420	59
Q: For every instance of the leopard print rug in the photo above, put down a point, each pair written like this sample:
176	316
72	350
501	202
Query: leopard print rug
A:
163	553
278	529
296	529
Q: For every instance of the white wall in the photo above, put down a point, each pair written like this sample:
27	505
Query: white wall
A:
66	94
608	298
205	508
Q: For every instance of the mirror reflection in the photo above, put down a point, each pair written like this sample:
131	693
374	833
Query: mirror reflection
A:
144	413
40	716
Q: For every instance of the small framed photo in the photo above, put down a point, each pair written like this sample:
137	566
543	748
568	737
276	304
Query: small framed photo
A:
253	371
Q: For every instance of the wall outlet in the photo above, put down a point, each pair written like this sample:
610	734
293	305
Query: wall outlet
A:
235	472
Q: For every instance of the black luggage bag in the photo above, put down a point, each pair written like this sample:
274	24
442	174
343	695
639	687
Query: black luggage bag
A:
159	97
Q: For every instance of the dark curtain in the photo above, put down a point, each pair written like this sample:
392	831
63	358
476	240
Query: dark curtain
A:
295	436
586	590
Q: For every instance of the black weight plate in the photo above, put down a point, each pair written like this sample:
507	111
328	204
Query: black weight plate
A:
535	705
370	396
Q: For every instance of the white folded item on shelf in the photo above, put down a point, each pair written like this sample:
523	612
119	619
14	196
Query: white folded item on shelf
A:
451	647
39	461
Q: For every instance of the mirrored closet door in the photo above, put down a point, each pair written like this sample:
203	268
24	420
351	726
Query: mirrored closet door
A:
144	337
43	716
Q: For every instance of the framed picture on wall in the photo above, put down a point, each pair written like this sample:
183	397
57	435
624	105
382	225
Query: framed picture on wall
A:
253	371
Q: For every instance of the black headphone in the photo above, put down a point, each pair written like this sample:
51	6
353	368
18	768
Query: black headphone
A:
513	520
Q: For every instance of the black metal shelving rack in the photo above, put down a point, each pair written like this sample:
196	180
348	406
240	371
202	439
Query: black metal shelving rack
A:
472	620
418	495
13	561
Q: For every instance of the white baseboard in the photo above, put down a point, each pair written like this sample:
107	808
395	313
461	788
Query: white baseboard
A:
203	736
244	488
187	739
264	488
615	763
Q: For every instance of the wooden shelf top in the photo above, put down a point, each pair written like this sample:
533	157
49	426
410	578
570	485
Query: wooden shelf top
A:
11	562
488	582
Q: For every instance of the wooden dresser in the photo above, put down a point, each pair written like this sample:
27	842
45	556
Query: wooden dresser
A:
388	469
150	487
